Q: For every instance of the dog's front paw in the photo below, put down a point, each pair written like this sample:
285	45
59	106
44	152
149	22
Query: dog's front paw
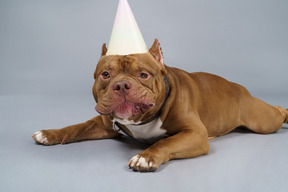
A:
144	162
46	137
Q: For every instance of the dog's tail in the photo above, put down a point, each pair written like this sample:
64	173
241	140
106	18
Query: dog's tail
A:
284	113
286	120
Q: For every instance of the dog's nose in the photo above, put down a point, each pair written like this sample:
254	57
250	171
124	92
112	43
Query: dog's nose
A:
122	87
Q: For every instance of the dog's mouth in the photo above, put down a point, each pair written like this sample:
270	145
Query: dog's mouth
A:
127	109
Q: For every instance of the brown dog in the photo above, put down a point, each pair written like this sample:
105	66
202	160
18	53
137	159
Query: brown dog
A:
139	96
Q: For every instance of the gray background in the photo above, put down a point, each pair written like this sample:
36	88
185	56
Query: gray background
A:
48	53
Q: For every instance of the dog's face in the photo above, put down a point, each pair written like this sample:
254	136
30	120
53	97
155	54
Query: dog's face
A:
130	87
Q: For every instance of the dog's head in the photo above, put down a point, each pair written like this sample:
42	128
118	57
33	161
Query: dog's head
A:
130	87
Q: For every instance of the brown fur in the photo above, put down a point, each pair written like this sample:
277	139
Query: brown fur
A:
199	106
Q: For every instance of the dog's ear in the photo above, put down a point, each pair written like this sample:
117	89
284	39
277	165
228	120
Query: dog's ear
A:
104	49
156	51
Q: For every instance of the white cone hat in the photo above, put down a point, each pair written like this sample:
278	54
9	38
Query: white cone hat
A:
126	37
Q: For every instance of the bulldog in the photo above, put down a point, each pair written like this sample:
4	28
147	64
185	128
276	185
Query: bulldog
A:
139	96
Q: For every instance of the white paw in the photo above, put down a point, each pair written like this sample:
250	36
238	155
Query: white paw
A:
139	163
39	138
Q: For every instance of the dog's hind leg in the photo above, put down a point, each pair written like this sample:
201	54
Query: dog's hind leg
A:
261	117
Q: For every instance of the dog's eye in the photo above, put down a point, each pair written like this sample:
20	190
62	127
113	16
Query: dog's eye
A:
143	75
105	75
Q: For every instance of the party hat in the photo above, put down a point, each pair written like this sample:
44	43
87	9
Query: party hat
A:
126	37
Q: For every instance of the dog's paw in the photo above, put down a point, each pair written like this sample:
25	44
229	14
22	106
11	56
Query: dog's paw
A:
144	163
39	138
46	137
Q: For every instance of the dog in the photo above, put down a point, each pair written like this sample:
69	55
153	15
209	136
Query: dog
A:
139	96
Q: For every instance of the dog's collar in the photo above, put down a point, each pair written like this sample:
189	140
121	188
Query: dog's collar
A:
125	130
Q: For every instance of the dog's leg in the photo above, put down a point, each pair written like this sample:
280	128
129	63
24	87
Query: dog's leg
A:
188	143
92	129
261	117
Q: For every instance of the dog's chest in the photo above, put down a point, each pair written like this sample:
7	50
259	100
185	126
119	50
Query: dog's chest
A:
148	133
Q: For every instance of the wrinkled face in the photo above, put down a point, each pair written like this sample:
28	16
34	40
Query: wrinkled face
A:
129	87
